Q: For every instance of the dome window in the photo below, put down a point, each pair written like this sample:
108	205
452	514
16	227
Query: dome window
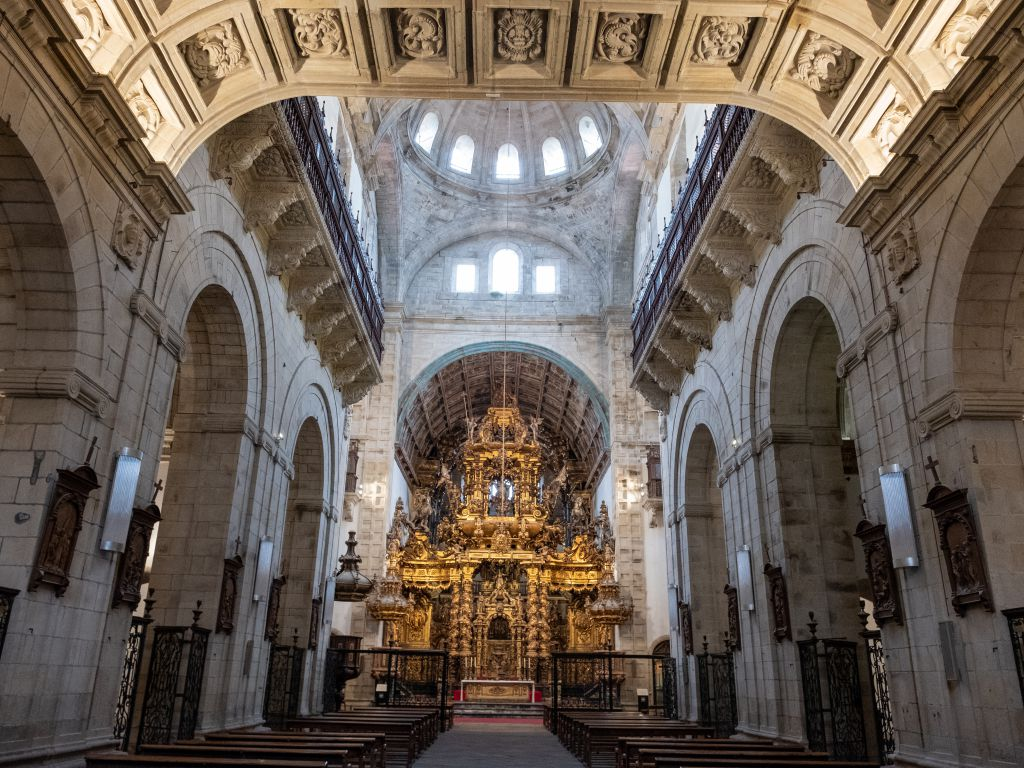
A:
427	131
462	155
505	271
554	156
506	167
590	136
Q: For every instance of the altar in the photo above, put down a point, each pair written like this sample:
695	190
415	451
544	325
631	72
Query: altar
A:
508	691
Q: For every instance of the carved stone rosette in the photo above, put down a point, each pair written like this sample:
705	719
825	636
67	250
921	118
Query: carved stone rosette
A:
519	34
621	37
60	530
214	53
733	601
132	565
721	40
270	629
824	65
881	575
686	627
228	595
420	32
778	598
961	549
318	32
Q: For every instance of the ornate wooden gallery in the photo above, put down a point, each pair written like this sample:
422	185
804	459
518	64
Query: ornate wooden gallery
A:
501	577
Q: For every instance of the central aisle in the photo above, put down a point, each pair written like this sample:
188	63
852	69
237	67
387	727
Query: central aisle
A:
477	742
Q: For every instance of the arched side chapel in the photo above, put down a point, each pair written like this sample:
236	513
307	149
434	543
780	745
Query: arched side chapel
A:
191	316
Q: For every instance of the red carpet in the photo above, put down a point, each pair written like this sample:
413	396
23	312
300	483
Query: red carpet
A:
501	720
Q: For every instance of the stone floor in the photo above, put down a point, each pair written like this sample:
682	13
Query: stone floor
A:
474	742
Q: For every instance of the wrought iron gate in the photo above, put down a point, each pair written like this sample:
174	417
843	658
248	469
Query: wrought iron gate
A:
413	678
284	682
1015	618
716	685
124	709
880	694
835	696
665	690
163	703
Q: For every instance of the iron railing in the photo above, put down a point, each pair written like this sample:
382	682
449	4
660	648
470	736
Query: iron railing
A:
134	648
880	694
596	680
305	120
6	605
1015	618
284	682
718	148
832	692
716	689
408	677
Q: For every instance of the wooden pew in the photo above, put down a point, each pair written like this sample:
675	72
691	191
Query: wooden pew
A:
335	758
124	760
627	749
405	735
677	761
367	749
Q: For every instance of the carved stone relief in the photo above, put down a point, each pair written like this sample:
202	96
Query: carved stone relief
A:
960	30
214	53
519	34
130	239
900	251
961	549
891	125
318	32
91	23
228	595
881	575
823	65
60	530
721	40
132	564
271	163
778	599
621	37
144	108
420	32
235	154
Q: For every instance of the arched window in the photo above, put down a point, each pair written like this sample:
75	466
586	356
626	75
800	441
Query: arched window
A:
506	167
462	154
427	131
589	135
505	271
554	156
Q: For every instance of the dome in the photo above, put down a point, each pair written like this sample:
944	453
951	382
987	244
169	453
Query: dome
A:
498	145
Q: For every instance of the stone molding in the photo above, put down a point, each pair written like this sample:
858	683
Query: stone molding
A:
69	383
782	435
884	323
969	404
216	423
143	307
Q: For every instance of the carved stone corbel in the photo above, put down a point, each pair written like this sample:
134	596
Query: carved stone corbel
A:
692	322
653	393
265	204
758	214
792	157
711	290
233	154
732	257
286	254
681	353
302	297
323	325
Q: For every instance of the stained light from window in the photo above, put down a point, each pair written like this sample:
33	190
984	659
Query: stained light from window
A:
544	278
507	165
505	271
590	136
427	131
462	154
554	156
465	278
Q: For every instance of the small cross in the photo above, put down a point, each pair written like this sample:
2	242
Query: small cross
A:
157	487
932	464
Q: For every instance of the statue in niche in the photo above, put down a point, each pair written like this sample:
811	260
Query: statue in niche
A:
132	565
961	548
880	573
62	525
228	595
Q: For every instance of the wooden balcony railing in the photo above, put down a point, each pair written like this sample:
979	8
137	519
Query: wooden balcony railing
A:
307	127
718	148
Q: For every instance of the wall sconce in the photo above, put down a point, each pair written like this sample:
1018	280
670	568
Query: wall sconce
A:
124	481
899	521
745	586
264	560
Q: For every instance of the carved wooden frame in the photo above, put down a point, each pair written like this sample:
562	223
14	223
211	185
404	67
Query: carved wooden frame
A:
778	598
961	548
270	629
57	544
733	600
228	595
131	566
885	593
315	619
686	627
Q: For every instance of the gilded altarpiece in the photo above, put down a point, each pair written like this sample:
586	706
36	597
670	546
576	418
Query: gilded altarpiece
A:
496	584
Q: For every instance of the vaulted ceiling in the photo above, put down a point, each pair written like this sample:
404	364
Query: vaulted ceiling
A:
433	418
850	74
